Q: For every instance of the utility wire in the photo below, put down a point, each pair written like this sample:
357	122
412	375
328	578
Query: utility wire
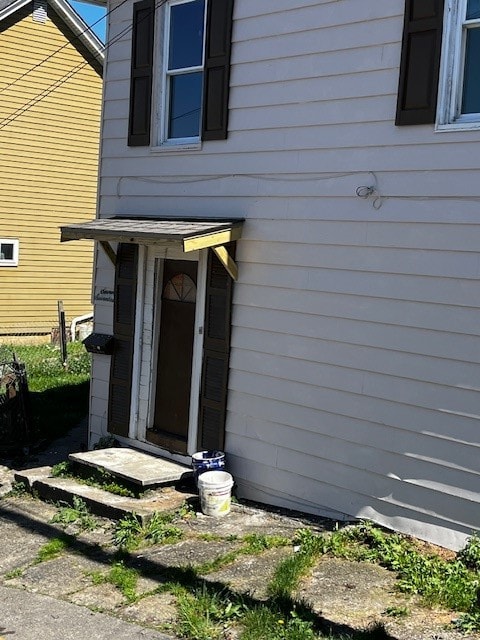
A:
77	37
58	83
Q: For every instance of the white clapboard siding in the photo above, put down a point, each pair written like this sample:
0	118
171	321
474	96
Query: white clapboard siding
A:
355	363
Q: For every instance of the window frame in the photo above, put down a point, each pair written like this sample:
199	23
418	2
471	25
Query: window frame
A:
163	93
449	116
14	261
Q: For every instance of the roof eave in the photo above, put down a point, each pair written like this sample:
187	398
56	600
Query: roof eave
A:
71	18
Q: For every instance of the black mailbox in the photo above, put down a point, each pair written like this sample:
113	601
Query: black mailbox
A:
99	343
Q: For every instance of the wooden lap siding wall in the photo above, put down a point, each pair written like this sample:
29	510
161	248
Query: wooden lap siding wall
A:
216	348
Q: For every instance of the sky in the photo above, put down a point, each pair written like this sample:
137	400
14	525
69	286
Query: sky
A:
92	13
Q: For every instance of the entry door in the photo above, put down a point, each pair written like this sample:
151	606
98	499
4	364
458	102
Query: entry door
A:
175	353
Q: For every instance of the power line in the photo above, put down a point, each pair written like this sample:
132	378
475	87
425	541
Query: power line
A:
77	37
58	83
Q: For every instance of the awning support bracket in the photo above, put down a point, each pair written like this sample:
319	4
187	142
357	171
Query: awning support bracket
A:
107	247
226	259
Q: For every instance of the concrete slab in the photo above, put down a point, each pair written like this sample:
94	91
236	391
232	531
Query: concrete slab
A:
28	616
134	466
29	476
106	504
251	574
43	577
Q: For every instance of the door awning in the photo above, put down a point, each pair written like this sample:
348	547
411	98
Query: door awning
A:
188	234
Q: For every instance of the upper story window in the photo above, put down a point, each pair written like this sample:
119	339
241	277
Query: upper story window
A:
189	69
447	94
183	70
459	97
8	252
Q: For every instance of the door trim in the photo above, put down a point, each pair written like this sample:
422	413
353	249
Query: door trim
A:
153	259
137	342
197	352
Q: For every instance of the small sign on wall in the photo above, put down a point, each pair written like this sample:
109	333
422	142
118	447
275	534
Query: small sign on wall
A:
104	295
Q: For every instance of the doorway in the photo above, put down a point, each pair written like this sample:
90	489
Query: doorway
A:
171	413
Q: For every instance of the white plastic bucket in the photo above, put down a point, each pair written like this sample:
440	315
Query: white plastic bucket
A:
215	489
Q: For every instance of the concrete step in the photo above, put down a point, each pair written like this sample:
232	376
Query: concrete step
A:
133	466
169	487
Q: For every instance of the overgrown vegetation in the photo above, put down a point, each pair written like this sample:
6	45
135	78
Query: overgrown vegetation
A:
58	394
203	614
454	583
77	514
130	533
206	611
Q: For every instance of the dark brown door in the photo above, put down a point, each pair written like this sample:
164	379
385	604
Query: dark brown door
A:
175	352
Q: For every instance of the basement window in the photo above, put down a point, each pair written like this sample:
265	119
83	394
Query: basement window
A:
8	252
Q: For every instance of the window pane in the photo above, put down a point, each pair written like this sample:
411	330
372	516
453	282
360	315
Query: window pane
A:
6	251
471	78
473	9
186	35
185	105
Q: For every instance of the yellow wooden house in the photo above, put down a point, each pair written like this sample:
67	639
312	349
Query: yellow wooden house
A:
50	102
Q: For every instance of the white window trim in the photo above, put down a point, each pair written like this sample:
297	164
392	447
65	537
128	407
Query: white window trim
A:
451	72
14	261
162	94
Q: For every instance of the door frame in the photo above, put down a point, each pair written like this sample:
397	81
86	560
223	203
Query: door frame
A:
153	258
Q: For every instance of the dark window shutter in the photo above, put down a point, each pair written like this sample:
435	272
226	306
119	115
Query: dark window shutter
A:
141	73
420	62
216	352
217	69
123	331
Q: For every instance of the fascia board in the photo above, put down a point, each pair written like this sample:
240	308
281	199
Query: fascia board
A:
79	28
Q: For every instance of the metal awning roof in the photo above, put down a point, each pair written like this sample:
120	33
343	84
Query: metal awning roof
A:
188	234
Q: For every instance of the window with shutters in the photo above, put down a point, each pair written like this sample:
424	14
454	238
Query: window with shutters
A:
459	95
180	71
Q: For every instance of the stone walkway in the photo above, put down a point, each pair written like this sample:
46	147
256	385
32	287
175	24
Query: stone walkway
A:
347	597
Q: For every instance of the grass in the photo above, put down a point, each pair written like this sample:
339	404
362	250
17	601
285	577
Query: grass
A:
123	578
52	549
58	395
209	611
450	583
454	583
14	573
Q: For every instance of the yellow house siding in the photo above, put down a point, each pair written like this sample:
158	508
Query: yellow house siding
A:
50	100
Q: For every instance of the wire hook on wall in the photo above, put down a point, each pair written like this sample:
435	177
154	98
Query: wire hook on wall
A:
365	191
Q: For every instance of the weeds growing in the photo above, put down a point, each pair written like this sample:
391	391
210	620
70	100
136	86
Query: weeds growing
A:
123	578
101	479
450	583
18	489
53	549
130	533
77	514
